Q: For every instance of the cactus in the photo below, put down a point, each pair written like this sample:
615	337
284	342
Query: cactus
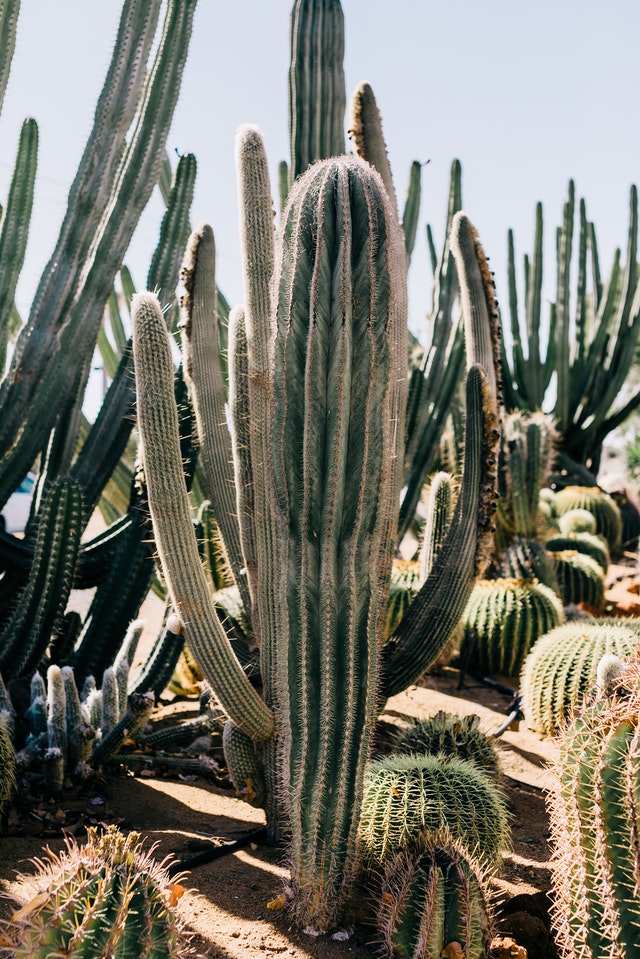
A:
7	763
432	897
448	734
591	352
503	620
560	672
528	559
594	827
105	898
407	796
580	579
597	502
587	543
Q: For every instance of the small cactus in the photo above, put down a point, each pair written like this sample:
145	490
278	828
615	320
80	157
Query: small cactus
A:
7	763
432	898
448	734
560	672
503	620
106	898
406	796
587	543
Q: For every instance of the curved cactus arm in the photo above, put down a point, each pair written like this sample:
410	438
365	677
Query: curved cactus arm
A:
201	359
9	11
439	515
317	98
173	526
15	226
436	610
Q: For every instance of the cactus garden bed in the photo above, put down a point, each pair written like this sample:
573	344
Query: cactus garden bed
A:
231	913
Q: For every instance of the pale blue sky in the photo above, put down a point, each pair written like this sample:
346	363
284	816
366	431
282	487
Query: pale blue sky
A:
526	95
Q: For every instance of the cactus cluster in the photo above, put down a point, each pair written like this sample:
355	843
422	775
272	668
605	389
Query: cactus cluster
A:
107	897
602	507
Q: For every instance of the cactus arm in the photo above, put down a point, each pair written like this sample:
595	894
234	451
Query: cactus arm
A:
439	514
563	319
582	327
283	184
368	139
411	209
164	270
438	606
317	96
534	297
209	394
173	527
15	225
9	10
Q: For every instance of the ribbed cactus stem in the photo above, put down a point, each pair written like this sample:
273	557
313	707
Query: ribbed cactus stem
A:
203	372
439	513
338	406
368	139
56	711
173	526
316	83
110	705
245	769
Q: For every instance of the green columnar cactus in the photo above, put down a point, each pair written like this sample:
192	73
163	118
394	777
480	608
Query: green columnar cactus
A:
591	352
338	423
594	828
407	796
39	607
580	579
448	734
560	671
433	897
600	504
105	898
317	98
439	515
110	704
503	620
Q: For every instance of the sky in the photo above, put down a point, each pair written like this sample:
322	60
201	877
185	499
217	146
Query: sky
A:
526	95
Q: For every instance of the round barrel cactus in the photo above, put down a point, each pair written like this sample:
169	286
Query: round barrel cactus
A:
408	795
528	559
502	621
432	897
448	734
560	671
587	543
103	899
595	822
580	579
597	502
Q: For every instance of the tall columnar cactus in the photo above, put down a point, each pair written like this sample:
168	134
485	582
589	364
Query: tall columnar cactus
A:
559	674
594	827
105	898
503	620
433	898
